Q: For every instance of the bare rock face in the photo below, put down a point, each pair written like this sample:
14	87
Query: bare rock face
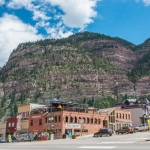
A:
74	68
1	90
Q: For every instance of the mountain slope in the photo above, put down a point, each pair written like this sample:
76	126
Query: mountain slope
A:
84	65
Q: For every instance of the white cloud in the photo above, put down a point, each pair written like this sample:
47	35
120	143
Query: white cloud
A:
2	2
72	14
20	3
12	32
78	13
146	2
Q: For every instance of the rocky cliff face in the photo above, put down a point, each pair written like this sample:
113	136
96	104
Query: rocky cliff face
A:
73	68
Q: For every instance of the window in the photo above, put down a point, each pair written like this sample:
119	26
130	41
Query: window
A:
123	116
75	120
66	119
88	120
9	124
55	118
99	121
84	120
12	124
120	115
128	116
71	119
40	122
116	115
95	121
31	123
59	119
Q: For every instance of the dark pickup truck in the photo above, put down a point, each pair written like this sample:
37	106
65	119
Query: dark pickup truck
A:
103	132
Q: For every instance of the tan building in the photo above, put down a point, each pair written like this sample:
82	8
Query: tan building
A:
24	111
117	117
2	129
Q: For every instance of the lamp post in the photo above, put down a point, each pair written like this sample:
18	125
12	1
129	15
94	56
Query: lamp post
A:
50	133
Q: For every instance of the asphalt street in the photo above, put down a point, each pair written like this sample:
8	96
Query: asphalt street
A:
135	141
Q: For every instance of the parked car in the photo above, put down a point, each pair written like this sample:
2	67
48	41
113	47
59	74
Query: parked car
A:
104	132
142	127
125	129
3	140
24	138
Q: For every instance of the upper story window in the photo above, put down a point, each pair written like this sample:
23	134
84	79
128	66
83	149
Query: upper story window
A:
116	115
9	124
95	121
55	118
129	116
40	121
13	124
75	120
120	115
59	119
88	120
31	123
66	118
71	119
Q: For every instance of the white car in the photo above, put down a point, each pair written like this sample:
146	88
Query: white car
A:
142	127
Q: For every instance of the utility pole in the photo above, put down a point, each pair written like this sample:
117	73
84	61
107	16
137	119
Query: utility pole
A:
51	119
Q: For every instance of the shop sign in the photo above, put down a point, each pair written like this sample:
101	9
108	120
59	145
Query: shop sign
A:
76	126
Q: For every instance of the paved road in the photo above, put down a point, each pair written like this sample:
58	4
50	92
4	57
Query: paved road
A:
136	141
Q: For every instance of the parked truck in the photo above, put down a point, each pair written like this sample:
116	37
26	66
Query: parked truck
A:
142	127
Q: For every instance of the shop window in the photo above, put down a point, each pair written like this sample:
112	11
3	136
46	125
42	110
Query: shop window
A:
40	122
58	132
31	123
77	132
84	131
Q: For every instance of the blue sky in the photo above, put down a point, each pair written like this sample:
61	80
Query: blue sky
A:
31	20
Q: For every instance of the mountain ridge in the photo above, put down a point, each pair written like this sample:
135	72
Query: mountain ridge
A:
84	65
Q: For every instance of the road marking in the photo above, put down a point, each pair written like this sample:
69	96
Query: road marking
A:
98	147
119	142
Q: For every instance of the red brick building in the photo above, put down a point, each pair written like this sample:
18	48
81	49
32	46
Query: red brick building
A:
69	120
11	126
